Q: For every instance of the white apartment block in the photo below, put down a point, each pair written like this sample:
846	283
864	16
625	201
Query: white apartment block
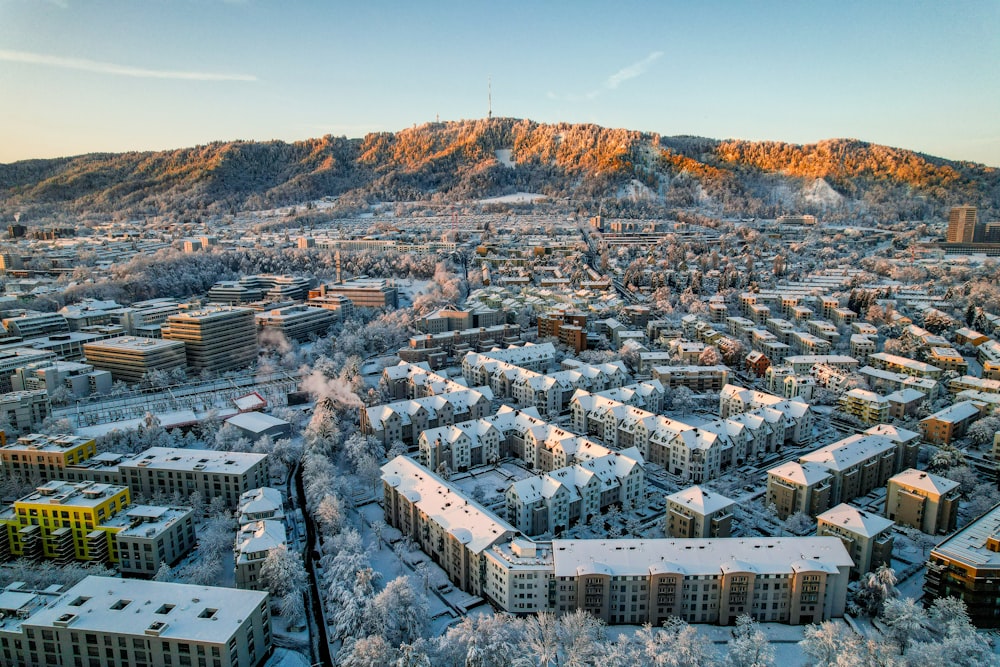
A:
734	400
405	420
253	543
135	623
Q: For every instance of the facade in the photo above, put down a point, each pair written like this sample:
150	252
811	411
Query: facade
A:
961	224
78	379
366	293
25	410
967	566
696	512
858	464
867	406
792	580
136	623
298	322
150	536
132	358
949	424
699	379
167	470
406	420
923	501
215	339
452	529
66	522
867	537
795	488
44	457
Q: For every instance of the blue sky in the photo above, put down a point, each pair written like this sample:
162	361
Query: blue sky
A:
79	76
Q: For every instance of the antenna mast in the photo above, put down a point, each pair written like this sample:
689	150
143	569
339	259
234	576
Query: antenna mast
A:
489	112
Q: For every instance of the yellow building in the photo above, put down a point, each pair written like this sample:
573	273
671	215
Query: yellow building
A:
64	520
44	456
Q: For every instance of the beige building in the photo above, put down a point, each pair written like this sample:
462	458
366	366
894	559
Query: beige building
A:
134	623
949	424
923	501
867	537
867	406
130	358
215	339
858	464
696	512
795	487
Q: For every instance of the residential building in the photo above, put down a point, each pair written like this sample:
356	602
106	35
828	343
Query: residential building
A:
867	537
260	504
131	358
25	410
149	536
799	488
215	339
948	359
697	512
949	424
406	420
897	364
907	443
132	622
867	406
43	457
167	470
699	379
967	566
923	501
253	542
65	521
858	464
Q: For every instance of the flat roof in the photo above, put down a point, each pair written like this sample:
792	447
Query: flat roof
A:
205	460
136	344
698	556
969	544
209	614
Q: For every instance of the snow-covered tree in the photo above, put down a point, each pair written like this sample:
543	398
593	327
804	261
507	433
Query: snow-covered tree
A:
283	572
397	612
749	646
164	573
875	588
905	619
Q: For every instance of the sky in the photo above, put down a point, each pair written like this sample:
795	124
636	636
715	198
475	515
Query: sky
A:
79	76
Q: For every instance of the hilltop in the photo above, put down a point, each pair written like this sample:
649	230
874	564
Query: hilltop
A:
633	172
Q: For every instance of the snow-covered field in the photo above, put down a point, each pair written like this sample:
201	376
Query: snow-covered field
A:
516	198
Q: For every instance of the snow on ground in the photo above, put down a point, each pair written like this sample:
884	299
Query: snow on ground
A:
285	657
504	157
516	198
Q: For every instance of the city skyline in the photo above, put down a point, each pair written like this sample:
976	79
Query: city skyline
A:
113	76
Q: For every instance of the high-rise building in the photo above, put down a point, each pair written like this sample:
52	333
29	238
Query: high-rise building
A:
215	339
962	224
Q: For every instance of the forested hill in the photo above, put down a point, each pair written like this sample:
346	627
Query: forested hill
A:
637	172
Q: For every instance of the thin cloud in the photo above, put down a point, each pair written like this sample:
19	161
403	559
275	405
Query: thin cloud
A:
627	73
98	67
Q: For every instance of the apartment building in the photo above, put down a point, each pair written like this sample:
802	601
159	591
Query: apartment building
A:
858	464
131	358
791	580
967	566
448	526
970	382
260	504
406	420
406	381
65	521
948	359
699	379
734	400
867	537
862	347
887	381
253	542
137	623
897	364
697	512
867	406
168	470
923	501
949	424
37	456
798	487
215	339
907	443
149	536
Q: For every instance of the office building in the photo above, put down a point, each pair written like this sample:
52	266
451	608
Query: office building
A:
298	323
131	359
215	339
962	224
148	536
25	410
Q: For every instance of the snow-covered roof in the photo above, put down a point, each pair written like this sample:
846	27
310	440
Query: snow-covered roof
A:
204	460
805	474
895	433
924	481
856	521
701	500
255	422
956	413
850	451
698	556
199	613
